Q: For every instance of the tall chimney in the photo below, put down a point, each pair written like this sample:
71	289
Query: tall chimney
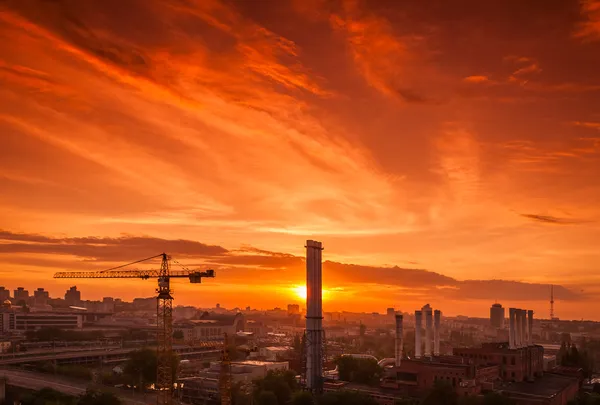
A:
314	317
437	315
530	327
399	339
525	328
428	331
512	333
418	328
519	327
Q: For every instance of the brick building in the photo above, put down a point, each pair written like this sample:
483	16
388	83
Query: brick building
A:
516	365
416	377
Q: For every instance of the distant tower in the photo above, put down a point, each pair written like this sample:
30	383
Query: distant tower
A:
314	317
551	302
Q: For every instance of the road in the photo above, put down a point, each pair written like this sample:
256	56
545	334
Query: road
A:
37	381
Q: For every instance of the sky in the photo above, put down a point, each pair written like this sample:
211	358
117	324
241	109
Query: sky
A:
446	153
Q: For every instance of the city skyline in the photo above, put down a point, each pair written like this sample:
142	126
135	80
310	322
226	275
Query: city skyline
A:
445	155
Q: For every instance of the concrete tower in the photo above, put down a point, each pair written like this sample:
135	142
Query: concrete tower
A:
530	328
428	329
512	333
314	317
524	328
437	315
418	328
399	339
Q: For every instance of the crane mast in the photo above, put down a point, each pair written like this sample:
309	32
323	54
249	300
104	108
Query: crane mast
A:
166	369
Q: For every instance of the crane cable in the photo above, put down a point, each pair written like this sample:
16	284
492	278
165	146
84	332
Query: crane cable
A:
128	264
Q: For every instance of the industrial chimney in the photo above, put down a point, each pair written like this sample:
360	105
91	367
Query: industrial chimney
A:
428	330
524	328
512	333
399	339
518	327
314	317
437	315
418	328
530	328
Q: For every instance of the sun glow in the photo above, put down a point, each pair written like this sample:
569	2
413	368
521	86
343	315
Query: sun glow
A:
300	292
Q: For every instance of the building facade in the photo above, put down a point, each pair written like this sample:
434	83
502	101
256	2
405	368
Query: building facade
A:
73	297
11	321
497	316
515	365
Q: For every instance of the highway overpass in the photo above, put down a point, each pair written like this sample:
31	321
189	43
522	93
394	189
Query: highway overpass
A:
106	356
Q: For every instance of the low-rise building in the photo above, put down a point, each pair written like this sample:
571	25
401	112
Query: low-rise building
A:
210	326
11	321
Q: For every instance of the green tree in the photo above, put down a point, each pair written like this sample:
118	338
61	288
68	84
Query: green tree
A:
441	394
141	367
302	398
48	396
95	397
267	398
280	383
346	397
362	371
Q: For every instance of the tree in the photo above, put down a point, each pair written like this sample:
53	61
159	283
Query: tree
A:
346	397
95	397
441	394
363	371
302	398
48	396
267	398
178	334
280	383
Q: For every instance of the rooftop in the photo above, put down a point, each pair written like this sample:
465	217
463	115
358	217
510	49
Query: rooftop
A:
547	386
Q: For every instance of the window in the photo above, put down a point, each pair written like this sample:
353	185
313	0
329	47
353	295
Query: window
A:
513	361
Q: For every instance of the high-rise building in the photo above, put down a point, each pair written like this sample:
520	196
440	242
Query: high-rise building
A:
41	297
293	309
391	312
4	294
73	297
497	316
21	294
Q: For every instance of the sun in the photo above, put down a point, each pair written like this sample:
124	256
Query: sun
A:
300	291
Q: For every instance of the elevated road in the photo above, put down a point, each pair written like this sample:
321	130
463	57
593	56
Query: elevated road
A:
37	381
104	356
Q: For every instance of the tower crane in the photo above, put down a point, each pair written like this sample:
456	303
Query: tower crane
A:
164	311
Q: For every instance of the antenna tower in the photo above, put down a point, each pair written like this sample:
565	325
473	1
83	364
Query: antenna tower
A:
551	302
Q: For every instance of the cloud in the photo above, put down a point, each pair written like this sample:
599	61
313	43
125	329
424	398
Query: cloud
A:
548	219
104	249
588	124
477	79
248	264
589	28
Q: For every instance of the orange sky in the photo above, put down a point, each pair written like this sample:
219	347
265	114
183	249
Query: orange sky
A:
458	144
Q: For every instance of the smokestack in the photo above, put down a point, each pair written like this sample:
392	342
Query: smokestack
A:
314	317
530	328
399	339
518	330
524	328
418	327
428	330
437	315
512	333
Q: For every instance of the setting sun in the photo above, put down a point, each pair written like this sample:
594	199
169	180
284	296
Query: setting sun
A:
300	291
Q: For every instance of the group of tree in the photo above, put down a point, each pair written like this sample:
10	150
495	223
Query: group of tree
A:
570	356
48	396
362	371
586	399
140	369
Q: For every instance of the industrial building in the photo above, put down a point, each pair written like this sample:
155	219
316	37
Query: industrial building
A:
11	321
210	325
